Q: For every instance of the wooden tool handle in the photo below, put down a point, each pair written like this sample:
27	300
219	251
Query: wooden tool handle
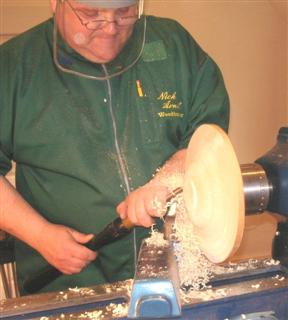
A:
115	230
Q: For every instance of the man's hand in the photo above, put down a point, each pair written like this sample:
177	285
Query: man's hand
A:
144	204
62	247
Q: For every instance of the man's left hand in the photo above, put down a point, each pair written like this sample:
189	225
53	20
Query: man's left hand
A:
144	204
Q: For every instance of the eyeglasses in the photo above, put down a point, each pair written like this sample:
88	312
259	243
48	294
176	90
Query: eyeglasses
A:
121	20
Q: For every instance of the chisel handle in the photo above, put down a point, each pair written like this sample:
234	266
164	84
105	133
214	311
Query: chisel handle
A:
115	230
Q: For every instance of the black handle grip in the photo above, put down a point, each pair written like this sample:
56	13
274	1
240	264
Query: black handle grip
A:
40	279
112	232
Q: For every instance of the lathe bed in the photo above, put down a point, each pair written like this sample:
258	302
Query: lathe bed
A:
252	286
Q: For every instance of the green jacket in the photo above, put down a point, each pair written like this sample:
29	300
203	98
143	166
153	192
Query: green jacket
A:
81	145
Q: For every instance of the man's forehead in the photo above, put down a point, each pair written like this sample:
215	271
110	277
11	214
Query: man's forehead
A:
108	3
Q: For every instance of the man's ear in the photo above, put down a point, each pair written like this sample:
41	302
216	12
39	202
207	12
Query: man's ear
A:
53	5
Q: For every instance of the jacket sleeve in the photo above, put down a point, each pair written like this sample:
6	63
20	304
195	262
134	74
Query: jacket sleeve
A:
6	126
5	163
209	101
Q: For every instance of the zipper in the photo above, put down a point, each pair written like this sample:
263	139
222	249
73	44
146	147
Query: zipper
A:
120	157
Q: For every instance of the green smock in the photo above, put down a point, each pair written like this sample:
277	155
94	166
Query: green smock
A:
82	145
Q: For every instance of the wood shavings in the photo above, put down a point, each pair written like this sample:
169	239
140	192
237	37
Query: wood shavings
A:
279	278
107	312
76	289
82	291
156	238
272	262
169	208
222	292
115	309
157	205
119	310
173	181
194	268
164	177
87	291
150	272
125	287
62	296
205	295
255	286
91	315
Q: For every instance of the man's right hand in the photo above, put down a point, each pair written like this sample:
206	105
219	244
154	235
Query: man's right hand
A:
63	248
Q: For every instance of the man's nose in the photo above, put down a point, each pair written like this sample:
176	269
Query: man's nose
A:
111	27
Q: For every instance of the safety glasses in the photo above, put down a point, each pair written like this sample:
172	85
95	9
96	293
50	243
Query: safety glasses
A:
123	18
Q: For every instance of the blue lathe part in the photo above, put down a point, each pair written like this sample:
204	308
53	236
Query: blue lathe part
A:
156	285
153	298
275	164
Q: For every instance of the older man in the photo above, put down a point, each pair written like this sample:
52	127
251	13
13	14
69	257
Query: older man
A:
92	102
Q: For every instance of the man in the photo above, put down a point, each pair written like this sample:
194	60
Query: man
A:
91	104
